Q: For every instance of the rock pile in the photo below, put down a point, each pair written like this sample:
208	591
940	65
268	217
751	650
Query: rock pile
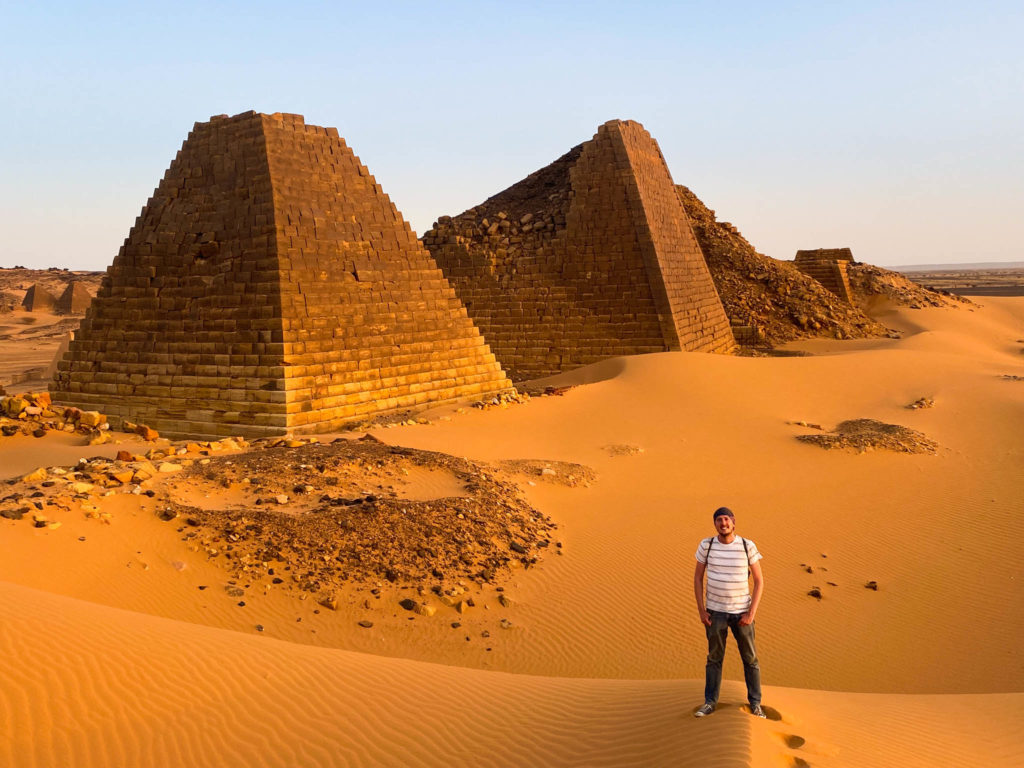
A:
32	413
317	516
769	301
48	491
867	280
863	435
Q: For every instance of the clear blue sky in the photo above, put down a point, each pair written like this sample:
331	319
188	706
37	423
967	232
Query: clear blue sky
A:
896	128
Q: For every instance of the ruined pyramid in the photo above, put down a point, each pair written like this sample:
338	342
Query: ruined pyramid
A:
270	286
588	258
75	299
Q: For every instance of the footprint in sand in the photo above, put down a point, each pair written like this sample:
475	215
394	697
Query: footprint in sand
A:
792	741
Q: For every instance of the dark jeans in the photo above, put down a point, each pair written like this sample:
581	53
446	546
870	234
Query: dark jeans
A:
717	634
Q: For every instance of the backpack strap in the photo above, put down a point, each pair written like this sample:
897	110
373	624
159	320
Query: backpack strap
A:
707	556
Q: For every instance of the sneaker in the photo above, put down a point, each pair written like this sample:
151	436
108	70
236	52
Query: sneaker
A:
757	711
706	709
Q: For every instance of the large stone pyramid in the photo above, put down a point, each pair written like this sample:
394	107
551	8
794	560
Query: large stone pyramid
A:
588	258
270	286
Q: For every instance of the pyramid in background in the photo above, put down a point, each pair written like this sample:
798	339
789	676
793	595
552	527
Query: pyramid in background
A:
38	299
270	286
588	258
75	299
829	266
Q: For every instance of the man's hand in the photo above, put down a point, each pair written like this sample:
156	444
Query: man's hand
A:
746	619
705	617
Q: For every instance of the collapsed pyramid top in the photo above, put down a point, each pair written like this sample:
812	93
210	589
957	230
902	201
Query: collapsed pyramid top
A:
270	285
588	258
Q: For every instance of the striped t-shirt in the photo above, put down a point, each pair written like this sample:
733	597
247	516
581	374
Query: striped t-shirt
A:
727	587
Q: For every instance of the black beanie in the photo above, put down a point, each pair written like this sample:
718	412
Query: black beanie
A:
723	511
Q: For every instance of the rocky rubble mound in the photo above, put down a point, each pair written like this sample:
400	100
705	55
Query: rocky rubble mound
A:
49	491
867	280
770	295
32	413
863	435
317	516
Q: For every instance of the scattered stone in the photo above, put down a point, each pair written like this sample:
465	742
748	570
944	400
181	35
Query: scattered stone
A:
259	627
872	585
815	592
234	591
504	601
330	601
147	433
167	467
862	435
623	449
921	402
505	624
408	604
518	548
91	418
807	424
425	610
35	476
365	624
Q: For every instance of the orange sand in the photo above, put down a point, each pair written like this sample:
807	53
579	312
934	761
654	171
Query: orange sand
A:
111	656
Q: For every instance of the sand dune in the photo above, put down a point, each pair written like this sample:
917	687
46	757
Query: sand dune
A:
111	654
88	685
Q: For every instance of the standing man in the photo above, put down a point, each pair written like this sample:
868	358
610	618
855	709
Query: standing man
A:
729	561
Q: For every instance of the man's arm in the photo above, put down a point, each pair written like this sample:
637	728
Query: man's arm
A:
698	592
755	598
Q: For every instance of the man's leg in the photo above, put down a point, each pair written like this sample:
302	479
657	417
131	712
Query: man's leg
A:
748	652
717	634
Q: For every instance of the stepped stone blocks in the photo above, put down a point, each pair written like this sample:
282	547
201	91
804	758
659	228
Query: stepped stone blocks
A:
270	286
75	299
829	267
588	258
38	299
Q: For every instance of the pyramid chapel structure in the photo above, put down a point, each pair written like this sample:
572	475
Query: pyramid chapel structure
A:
270	286
588	258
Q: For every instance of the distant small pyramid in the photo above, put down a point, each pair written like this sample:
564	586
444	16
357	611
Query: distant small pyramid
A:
38	299
829	267
588	258
75	299
270	286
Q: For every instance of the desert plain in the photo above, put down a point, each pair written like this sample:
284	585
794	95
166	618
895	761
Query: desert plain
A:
889	632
